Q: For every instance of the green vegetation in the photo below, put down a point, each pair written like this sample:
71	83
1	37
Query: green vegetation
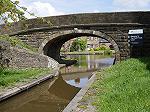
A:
17	42
124	87
102	47
105	49
108	52
10	77
10	11
78	45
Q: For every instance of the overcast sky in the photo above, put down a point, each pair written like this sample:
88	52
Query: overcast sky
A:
59	7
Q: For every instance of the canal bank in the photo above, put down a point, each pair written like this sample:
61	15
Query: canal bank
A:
55	94
73	105
20	87
124	87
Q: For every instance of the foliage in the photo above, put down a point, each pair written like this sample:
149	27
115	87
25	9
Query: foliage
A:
11	76
13	12
102	47
78	44
124	87
108	52
10	11
92	50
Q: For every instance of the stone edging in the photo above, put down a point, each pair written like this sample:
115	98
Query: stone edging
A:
71	107
17	90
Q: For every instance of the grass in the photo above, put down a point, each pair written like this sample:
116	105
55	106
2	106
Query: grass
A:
14	41
124	87
9	77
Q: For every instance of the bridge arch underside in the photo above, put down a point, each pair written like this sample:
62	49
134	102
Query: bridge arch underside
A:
52	46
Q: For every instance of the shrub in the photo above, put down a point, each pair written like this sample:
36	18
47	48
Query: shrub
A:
102	47
91	49
108	52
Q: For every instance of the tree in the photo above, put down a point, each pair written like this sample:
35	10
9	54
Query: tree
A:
11	11
78	44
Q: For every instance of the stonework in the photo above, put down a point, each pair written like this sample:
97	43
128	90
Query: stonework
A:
141	17
49	47
113	27
20	58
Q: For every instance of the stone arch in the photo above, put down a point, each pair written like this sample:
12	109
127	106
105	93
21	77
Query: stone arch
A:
51	46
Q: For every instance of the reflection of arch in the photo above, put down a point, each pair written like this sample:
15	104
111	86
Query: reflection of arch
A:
40	99
52	45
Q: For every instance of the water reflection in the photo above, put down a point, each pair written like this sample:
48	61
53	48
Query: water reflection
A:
77	79
78	74
87	63
50	96
54	95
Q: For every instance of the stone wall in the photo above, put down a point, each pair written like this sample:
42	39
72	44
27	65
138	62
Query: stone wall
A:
116	25
141	17
20	58
118	33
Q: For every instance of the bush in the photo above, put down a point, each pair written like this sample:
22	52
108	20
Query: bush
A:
91	49
102	47
78	44
107	52
96	49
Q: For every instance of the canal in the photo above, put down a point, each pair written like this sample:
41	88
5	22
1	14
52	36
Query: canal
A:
55	94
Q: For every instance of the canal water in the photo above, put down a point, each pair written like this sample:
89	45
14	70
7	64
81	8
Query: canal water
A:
55	94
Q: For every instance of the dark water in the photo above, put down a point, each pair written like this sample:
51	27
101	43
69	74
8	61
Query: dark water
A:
53	95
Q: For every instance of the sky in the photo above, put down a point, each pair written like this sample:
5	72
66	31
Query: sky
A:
44	8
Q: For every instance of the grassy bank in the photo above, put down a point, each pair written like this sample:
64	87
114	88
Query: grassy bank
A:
10	77
124	87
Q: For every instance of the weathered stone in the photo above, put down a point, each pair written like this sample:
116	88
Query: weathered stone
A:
113	27
20	58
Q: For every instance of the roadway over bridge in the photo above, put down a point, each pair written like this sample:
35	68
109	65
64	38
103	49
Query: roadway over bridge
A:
113	27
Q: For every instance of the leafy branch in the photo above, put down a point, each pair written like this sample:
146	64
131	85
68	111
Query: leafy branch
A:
12	11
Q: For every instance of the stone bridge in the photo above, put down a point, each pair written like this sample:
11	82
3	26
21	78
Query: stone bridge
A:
113	27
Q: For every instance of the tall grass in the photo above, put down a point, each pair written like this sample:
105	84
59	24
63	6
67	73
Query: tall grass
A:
124	87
